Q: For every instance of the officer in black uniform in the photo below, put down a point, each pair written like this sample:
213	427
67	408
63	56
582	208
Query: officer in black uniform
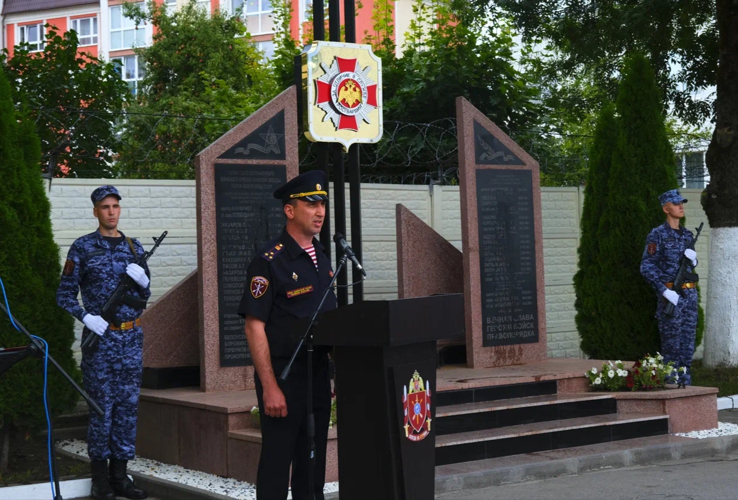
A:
286	281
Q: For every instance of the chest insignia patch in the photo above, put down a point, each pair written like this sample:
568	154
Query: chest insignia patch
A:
299	291
68	267
294	276
259	285
651	248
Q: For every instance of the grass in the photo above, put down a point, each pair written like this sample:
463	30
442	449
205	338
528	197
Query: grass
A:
725	378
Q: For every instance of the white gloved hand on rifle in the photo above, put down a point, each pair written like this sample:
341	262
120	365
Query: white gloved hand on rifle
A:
691	255
671	296
95	323
138	274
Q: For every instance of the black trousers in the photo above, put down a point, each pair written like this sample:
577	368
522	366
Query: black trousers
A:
285	440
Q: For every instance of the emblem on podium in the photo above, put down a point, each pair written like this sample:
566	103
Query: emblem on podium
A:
416	401
342	93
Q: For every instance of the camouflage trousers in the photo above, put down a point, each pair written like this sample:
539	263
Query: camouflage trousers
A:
678	332
112	371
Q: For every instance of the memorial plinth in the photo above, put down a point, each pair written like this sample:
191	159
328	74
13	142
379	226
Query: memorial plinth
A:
502	238
236	216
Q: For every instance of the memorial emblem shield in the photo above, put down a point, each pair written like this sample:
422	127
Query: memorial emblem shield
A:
416	401
342	93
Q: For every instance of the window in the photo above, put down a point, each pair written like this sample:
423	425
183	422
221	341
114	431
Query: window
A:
257	14
86	30
124	34
267	48
204	5
131	71
33	35
306	10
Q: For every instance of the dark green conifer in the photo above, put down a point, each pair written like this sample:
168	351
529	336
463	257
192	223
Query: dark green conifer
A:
30	269
643	167
588	279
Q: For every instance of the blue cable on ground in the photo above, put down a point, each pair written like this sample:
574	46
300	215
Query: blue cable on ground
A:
46	376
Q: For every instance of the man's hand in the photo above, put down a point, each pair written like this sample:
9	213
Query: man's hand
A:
671	296
691	255
95	323
275	405
138	274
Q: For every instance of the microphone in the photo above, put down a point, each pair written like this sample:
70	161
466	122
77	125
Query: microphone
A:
341	241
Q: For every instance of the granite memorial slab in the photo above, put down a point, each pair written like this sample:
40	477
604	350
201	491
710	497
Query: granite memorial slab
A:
502	239
236	216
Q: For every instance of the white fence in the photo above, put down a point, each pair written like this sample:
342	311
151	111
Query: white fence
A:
151	206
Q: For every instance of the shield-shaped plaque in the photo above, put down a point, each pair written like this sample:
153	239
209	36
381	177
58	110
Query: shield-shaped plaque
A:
342	93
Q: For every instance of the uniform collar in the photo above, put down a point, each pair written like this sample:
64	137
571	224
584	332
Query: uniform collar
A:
293	248
667	226
101	241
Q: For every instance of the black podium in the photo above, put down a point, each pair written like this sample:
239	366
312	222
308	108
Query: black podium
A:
385	355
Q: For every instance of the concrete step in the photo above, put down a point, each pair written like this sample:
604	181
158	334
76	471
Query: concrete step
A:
446	396
493	414
506	404
542	436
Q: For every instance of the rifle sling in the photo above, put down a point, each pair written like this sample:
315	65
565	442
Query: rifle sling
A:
130	244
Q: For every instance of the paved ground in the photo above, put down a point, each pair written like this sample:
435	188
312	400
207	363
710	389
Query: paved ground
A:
715	479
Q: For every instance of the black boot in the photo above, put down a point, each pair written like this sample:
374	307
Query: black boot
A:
101	489
121	483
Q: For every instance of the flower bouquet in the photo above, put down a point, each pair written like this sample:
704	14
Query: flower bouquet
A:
647	374
651	373
610	377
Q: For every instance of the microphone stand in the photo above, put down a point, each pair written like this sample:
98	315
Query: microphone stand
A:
307	338
37	348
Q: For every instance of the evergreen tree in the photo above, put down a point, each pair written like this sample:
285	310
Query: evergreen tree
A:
588	279
30	270
643	167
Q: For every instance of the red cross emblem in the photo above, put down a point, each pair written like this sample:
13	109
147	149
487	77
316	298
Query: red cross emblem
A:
346	93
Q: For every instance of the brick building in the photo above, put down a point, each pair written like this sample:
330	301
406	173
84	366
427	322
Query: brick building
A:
104	31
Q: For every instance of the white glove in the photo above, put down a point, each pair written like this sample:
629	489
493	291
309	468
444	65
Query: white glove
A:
95	323
671	296
691	255
138	274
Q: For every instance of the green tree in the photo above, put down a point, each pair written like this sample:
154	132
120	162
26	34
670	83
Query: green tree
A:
590	37
203	76
285	47
73	99
450	53
588	281
627	328
30	270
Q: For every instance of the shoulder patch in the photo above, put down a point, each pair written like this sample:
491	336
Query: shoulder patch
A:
651	248
273	252
68	267
259	285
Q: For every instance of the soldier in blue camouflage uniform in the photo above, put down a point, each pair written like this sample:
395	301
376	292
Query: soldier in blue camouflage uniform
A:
113	367
665	246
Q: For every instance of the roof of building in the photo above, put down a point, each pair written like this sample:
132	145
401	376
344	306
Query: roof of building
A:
18	6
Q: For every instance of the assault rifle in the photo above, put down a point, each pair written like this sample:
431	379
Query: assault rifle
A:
682	272
121	294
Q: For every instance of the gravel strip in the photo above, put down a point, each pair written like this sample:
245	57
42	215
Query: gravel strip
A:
723	429
239	490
